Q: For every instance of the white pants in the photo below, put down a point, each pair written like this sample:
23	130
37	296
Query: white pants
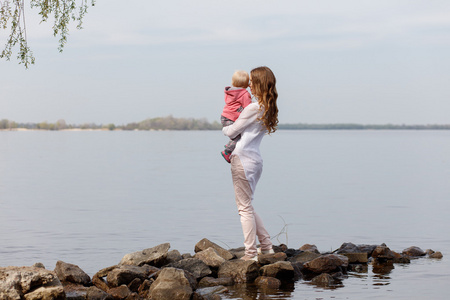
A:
252	225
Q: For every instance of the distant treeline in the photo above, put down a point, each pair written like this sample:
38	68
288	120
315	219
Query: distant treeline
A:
171	123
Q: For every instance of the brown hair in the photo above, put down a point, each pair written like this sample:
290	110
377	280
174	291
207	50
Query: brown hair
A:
263	83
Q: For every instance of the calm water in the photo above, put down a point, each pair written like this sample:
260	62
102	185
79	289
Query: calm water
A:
89	198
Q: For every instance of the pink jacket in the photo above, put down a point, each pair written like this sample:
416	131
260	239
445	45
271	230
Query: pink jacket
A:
235	98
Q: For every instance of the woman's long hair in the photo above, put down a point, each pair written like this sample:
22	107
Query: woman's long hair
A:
264	86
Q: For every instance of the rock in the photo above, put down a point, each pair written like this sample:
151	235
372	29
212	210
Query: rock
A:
211	281
155	256
193	265
100	283
383	253
437	255
135	284
304	257
104	272
94	293
348	248
240	271
356	257
209	293
120	292
186	255
144	288
71	273
367	249
280	270
414	251
324	280
292	252
75	291
171	284
125	274
210	257
237	252
265	259
205	244
46	292
360	268
310	248
326	263
133	296
268	282
38	265
173	256
15	282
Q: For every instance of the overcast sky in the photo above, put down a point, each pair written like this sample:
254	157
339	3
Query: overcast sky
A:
350	61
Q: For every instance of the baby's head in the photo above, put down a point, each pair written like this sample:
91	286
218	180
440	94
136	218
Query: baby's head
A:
240	79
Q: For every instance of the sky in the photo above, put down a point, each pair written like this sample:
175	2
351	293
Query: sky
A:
347	61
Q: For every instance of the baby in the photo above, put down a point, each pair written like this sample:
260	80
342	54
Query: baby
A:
236	99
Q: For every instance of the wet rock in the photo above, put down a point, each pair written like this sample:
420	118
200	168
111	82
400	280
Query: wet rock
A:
303	257
298	267
125	274
360	268
120	292
171	284
17	282
327	263
211	281
75	291
292	252
367	249
205	244
310	248
94	293
414	251
266	259
155	256
383	252
209	293
281	270
437	255
71	273
354	258
324	280
240	270
268	282
193	265
210	257
173	256
383	268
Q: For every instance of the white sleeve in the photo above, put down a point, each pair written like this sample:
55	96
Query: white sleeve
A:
247	117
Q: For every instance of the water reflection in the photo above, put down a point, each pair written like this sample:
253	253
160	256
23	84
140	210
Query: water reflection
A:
252	291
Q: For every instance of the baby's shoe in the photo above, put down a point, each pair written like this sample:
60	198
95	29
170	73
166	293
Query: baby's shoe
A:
226	155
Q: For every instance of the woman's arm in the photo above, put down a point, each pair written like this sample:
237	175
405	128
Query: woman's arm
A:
247	117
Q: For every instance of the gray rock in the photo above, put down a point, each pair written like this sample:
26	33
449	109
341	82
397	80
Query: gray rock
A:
194	266
348	248
17	282
155	256
94	293
303	257
173	256
205	244
414	251
266	259
71	273
211	281
240	271
171	284
125	274
268	282
237	252
210	257
326	263
281	270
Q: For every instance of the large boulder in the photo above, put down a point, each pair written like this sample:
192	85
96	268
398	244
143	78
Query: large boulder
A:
280	270
347	248
155	256
414	251
171	284
205	244
303	257
240	270
210	257
266	259
194	266
327	263
22	282
268	282
126	274
71	273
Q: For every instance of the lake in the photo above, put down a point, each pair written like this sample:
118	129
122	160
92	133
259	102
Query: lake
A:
90	197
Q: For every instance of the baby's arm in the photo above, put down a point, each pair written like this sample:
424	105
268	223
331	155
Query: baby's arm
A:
247	117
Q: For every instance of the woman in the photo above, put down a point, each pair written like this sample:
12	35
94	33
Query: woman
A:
255	121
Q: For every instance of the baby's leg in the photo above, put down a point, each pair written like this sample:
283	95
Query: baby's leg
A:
229	147
225	121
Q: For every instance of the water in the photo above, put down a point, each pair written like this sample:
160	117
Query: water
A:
91	197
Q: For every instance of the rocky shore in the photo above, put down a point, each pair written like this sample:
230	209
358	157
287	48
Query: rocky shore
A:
161	273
